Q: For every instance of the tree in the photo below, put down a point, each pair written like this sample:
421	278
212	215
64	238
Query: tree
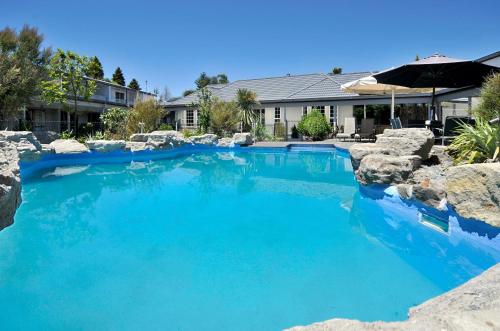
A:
147	114
204	107
95	68
222	79
417	58
224	117
118	77
66	73
22	68
336	70
489	102
202	81
246	101
134	84
115	122
187	92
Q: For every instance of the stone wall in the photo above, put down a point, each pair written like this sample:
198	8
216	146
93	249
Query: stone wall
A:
407	159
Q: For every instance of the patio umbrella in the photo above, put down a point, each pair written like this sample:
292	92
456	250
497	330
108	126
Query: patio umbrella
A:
369	85
437	71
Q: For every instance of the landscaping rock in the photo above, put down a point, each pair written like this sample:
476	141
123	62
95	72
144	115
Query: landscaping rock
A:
136	146
161	139
244	139
68	146
429	186
139	137
410	141
206	139
10	183
471	306
474	191
105	145
46	137
225	142
359	151
28	147
386	169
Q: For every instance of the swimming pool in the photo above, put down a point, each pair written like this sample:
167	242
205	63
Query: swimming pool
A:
217	240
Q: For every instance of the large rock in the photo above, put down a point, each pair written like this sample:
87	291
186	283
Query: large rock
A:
225	142
135	146
68	146
28	146
105	145
474	191
428	186
386	169
206	139
10	183
410	141
161	139
473	306
244	139
46	137
359	151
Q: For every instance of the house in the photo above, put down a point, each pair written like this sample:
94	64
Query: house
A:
287	98
40	116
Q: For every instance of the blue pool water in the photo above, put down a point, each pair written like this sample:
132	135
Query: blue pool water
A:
214	240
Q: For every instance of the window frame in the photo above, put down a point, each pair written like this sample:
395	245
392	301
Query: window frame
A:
277	111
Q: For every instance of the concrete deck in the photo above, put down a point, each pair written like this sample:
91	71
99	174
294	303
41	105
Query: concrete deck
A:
336	142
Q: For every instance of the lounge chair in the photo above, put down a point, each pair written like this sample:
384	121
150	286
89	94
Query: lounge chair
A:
367	130
349	129
396	123
451	124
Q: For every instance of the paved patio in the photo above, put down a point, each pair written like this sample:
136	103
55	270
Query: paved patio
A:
336	142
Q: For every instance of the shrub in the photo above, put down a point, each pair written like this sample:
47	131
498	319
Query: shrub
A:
148	112
67	135
115	122
260	133
295	132
189	133
165	127
224	118
279	131
314	125
476	143
489	104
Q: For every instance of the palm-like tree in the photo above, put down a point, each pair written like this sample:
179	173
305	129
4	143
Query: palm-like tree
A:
246	101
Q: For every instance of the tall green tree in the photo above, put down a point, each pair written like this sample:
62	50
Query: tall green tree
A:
66	81
204	80
134	84
203	105
222	79
336	70
22	67
118	77
95	68
246	100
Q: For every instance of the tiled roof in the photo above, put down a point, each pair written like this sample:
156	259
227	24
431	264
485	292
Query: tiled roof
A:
285	88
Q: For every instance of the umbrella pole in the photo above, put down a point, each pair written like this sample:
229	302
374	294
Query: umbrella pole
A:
433	106
392	104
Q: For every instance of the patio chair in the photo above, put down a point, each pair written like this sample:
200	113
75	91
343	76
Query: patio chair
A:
451	124
349	129
367	130
396	123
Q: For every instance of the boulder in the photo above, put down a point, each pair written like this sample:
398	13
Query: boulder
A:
105	145
206	139
28	147
134	146
244	139
10	183
409	141
139	137
161	139
46	137
386	169
474	191
225	142
68	146
359	151
428	186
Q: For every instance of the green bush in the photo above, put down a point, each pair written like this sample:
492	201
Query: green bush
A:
148	112
314	125
115	122
165	127
489	104
260	133
224	118
279	131
476	143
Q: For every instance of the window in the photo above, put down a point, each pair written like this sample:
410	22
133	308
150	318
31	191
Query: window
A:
261	115
304	111
119	97
333	115
277	114
190	117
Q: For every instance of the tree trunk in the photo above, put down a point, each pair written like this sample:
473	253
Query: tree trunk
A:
76	117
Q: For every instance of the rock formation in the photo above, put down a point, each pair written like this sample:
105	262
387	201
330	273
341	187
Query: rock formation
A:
10	183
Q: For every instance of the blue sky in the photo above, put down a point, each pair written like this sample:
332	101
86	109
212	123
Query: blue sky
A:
168	43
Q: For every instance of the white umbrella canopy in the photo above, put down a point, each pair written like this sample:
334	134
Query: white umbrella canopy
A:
369	85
